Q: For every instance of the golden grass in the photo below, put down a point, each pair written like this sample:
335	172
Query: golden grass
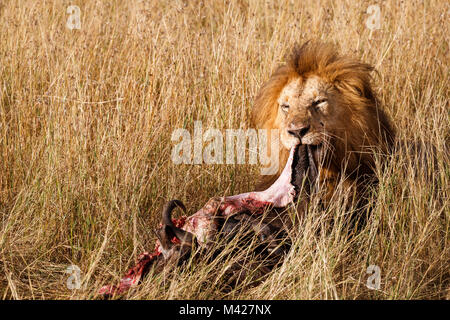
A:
85	123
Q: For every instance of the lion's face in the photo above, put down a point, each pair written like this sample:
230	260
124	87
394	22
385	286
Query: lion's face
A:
306	112
326	101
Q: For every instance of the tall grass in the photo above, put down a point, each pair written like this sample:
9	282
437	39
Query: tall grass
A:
86	118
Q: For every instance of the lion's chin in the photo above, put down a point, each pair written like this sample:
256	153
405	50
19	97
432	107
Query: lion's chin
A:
313	139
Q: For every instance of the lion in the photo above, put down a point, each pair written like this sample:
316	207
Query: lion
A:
325	100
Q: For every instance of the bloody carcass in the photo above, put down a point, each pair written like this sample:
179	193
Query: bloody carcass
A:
260	214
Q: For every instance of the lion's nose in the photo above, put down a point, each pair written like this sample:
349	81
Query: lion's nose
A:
299	132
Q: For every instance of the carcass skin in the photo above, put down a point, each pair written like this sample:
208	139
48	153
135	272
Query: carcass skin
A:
212	219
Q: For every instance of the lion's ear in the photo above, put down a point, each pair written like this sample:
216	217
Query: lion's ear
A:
354	78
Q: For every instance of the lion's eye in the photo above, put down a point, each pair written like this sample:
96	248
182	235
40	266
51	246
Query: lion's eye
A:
319	102
285	107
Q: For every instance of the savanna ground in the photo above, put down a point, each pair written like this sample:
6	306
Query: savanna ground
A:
86	118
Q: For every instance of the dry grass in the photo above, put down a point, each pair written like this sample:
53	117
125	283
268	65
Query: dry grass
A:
85	123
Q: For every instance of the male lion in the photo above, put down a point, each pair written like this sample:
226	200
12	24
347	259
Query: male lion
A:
324	100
